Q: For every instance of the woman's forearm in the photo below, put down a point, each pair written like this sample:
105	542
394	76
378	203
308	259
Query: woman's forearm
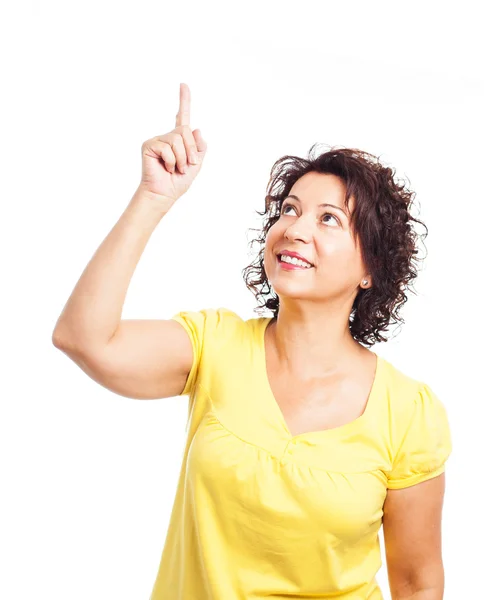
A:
93	312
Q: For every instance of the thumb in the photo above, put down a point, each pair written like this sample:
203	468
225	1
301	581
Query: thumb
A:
201	143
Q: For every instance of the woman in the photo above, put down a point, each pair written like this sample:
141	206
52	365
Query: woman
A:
301	441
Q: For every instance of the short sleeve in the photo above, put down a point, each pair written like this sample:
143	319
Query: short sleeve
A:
203	328
426	442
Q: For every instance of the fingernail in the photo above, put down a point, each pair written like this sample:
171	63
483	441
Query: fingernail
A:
194	159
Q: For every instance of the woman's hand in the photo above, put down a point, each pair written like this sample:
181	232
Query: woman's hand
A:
172	161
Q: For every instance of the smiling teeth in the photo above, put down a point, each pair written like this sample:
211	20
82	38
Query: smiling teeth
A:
294	261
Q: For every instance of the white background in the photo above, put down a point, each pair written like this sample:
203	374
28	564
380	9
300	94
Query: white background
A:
88	477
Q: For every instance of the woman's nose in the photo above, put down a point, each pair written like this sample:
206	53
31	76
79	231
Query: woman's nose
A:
297	232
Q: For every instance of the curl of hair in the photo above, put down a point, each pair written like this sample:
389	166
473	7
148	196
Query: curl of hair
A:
381	223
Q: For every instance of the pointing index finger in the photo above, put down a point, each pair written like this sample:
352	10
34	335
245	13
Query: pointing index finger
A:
183	115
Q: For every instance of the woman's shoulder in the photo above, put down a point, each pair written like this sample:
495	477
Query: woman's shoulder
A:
219	323
410	398
239	319
399	376
403	389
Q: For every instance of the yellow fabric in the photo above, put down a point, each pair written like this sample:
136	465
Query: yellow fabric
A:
259	513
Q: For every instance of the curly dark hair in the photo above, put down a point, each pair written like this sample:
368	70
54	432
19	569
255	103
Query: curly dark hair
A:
381	223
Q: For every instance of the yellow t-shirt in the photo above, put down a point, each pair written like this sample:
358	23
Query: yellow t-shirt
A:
259	513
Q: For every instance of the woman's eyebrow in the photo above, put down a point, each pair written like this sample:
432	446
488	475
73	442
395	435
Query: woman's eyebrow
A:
331	205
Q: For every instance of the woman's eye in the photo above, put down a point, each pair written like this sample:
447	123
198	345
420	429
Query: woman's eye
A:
287	206
333	217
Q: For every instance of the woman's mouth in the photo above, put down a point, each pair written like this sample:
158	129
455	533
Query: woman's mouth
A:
292	264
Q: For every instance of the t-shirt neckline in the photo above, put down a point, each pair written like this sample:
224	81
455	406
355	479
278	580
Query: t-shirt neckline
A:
270	399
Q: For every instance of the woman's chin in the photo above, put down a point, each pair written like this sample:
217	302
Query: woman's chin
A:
290	289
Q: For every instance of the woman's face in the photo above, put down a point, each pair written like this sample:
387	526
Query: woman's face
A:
323	236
